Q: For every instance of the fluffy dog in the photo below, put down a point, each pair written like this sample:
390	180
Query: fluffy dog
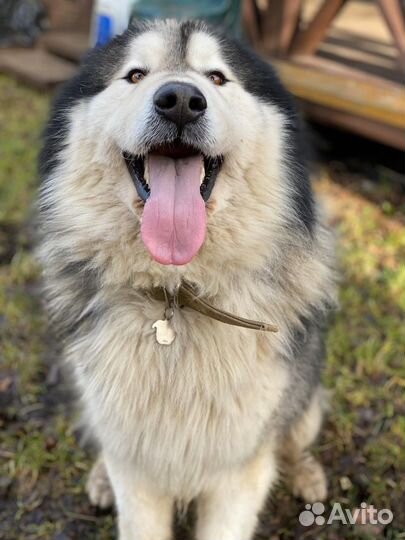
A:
175	157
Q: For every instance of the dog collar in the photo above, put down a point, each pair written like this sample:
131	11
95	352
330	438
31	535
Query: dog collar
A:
186	296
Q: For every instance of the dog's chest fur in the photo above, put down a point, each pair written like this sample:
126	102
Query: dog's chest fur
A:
208	396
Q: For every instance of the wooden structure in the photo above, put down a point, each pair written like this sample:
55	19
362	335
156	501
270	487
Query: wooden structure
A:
350	80
55	57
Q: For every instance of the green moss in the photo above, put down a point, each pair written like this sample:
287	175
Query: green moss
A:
22	112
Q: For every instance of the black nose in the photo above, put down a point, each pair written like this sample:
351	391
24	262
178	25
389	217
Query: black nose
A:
180	102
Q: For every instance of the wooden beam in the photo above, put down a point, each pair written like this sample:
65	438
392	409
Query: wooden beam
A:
36	67
290	22
71	45
369	98
271	24
279	25
337	66
250	21
307	41
394	17
389	135
69	14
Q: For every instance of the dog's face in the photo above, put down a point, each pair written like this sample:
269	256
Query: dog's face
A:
199	125
174	111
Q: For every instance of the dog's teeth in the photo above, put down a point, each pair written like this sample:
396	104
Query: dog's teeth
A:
146	172
202	175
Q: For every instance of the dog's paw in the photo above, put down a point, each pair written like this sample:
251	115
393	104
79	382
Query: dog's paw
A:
309	480
98	486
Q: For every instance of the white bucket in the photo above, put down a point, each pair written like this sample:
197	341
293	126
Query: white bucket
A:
110	17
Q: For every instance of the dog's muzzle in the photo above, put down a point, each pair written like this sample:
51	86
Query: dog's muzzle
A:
175	178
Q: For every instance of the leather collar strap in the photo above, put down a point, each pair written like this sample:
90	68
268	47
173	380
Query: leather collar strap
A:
185	296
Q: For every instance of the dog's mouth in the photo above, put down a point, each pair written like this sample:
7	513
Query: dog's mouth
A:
138	167
175	181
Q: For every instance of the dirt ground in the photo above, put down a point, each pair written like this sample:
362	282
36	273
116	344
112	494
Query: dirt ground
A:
44	460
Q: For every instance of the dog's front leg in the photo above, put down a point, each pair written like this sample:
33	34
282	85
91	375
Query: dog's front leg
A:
229	509
143	513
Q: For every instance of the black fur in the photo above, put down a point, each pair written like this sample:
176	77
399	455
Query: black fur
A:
79	277
186	30
98	67
307	349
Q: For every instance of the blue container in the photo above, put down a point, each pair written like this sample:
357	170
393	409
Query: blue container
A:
104	32
225	13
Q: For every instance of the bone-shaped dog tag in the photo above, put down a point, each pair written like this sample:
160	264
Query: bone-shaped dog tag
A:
165	335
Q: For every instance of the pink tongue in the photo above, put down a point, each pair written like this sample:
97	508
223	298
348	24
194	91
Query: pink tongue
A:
174	218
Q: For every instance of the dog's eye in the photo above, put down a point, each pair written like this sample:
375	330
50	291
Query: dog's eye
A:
217	78
136	75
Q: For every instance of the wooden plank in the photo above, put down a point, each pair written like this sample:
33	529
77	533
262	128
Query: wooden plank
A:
289	27
271	24
69	14
354	54
394	17
250	21
307	41
357	58
336	66
36	67
279	24
376	131
67	44
377	46
382	102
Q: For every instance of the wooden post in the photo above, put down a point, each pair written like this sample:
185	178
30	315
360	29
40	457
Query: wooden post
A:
394	18
308	40
250	21
279	24
290	24
271	24
69	14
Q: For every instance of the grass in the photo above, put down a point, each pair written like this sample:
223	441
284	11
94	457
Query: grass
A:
42	465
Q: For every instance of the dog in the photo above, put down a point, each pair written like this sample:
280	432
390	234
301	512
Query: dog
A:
189	272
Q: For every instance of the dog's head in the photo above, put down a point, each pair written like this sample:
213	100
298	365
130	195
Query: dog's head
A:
202	131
